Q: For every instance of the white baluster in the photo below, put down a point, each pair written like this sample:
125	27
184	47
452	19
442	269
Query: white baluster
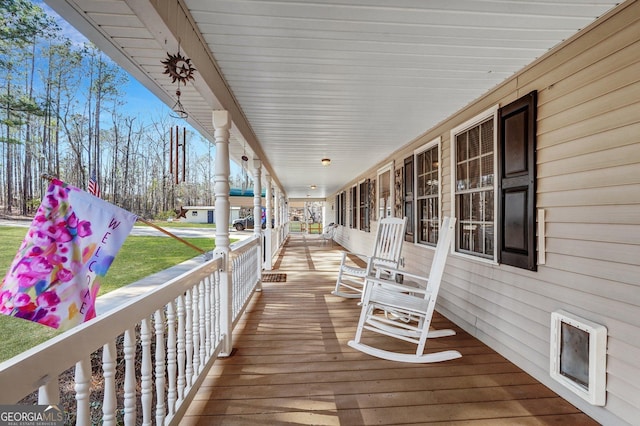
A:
218	308
201	326
160	367
213	281
256	280
145	372
109	403
49	392
196	333
130	377
237	278
182	382
188	338
83	376
172	394
207	316
242	276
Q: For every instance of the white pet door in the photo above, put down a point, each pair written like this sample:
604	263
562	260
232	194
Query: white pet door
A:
578	356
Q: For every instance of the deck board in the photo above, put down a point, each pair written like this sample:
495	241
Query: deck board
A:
291	365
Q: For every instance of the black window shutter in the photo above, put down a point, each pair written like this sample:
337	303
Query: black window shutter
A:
343	208
517	183
407	197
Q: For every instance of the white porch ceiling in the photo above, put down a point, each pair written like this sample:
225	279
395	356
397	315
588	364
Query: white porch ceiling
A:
349	80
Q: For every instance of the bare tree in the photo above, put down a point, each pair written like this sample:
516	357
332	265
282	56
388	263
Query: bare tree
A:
54	118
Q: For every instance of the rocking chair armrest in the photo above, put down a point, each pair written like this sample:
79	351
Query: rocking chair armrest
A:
395	271
346	253
393	285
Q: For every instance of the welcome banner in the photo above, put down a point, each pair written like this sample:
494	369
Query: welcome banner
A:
55	276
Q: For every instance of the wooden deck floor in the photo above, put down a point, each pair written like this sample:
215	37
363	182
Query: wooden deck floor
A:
292	365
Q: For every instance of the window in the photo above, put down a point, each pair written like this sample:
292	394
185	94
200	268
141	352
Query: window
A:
353	206
385	200
427	164
473	164
364	206
494	166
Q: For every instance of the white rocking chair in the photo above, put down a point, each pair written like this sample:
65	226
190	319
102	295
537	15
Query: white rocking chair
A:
386	256
404	312
328	233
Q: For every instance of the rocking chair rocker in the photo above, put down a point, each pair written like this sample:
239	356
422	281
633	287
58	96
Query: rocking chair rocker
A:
404	312
386	256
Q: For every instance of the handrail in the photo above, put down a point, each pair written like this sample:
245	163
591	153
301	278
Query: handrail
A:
239	246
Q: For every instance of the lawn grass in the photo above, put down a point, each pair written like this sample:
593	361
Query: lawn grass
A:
178	224
10	238
138	258
143	256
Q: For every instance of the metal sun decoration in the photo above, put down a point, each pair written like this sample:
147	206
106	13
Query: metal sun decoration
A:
179	69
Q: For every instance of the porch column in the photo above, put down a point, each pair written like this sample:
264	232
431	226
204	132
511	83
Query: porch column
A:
257	196
285	216
277	219
222	124
268	234
277	216
257	212
285	209
269	201
275	206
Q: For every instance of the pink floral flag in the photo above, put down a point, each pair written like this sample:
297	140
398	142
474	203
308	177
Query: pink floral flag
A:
55	276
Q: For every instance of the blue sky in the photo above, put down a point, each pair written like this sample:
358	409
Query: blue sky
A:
137	94
140	102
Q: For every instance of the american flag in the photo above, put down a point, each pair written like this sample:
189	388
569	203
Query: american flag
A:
93	187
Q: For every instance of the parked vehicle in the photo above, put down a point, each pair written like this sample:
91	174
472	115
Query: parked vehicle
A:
244	223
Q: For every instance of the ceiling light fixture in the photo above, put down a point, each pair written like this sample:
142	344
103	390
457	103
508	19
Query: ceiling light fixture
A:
325	161
313	187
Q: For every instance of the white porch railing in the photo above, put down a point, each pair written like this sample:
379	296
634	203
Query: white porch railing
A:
166	341
280	234
273	239
246	267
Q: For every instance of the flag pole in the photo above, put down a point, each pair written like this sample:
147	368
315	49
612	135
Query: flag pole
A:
146	222
153	225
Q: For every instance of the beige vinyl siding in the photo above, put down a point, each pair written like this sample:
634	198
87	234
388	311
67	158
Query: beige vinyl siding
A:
595	148
588	183
357	241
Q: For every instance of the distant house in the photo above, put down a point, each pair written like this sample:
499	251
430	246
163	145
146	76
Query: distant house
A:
241	204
